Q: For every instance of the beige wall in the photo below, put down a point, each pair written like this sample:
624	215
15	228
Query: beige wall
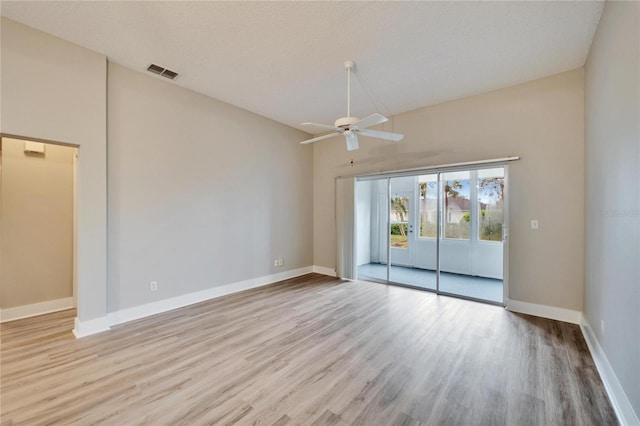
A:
37	219
542	122
612	136
55	90
201	193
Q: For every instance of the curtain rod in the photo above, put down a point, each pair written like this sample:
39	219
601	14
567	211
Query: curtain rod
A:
395	173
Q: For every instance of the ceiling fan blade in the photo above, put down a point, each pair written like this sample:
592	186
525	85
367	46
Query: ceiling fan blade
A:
382	135
352	140
370	120
319	138
319	127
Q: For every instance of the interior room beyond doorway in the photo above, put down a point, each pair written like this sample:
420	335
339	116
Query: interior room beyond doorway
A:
38	185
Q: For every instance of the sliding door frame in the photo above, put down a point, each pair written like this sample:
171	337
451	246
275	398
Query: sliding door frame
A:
439	170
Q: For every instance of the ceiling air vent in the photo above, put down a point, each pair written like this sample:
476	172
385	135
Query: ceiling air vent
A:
169	74
157	69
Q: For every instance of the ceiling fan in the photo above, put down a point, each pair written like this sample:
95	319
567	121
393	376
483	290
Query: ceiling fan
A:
351	127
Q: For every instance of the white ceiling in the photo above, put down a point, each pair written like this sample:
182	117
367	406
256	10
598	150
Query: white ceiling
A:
283	60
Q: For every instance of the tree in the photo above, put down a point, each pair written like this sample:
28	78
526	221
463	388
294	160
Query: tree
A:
492	217
423	206
492	186
451	187
451	191
399	207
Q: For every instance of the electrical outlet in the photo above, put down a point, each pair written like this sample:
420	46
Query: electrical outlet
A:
275	262
534	224
280	262
153	285
602	327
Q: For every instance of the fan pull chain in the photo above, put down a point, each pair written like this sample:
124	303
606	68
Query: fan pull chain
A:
377	103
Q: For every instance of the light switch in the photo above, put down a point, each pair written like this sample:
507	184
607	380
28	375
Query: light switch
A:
534	223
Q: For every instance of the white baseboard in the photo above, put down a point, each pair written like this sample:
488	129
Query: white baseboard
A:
324	270
87	328
621	405
26	311
551	312
153	308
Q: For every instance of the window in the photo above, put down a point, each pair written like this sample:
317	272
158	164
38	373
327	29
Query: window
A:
428	190
457	205
490	204
399	222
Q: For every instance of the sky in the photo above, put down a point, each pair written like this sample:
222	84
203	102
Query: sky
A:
465	191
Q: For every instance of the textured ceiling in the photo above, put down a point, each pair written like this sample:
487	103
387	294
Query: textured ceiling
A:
283	60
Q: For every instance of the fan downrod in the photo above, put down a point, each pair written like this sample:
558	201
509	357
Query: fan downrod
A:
349	126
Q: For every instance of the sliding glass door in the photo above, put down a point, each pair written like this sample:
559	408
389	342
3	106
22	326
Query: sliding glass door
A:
440	231
412	256
471	248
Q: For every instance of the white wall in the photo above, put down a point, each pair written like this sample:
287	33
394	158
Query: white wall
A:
201	193
55	90
612	123
37	218
540	121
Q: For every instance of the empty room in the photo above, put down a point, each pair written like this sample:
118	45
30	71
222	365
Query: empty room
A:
320	213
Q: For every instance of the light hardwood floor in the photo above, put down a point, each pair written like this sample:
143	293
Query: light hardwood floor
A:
311	350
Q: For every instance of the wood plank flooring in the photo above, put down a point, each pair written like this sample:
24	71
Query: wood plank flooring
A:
312	350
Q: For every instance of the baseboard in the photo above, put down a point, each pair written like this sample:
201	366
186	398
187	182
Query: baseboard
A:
551	312
32	310
142	311
621	405
324	270
87	328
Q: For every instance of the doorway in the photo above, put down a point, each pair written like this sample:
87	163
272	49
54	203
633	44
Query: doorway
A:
37	237
443	231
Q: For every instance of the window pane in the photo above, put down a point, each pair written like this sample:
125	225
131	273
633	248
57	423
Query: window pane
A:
457	205
428	190
399	222
490	204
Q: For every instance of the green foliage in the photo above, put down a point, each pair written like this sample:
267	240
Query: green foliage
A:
450	188
490	226
399	207
492	232
424	187
395	229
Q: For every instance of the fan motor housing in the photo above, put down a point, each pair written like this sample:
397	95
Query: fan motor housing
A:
346	122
